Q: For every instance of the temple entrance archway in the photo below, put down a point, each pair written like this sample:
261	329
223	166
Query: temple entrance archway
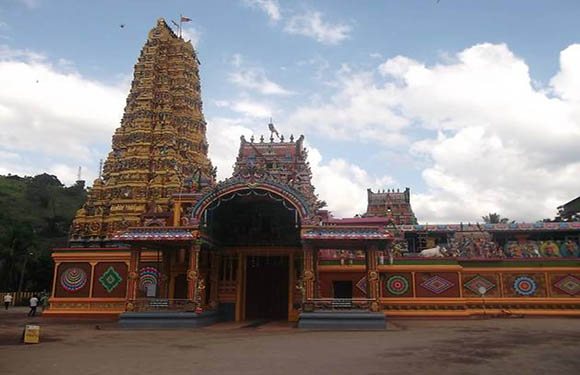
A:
261	229
252	217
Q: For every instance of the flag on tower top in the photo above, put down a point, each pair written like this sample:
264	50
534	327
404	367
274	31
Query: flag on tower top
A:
185	19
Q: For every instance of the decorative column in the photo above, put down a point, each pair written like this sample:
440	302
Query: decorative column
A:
167	274
214	279
193	273
373	283
177	214
54	277
133	278
309	272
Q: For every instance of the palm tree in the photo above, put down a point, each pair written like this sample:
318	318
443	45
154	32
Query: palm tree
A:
494	218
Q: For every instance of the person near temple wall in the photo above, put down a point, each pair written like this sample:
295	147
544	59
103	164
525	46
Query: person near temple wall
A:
7	300
33	304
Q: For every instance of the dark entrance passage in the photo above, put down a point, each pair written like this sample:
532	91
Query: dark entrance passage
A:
180	288
267	287
342	289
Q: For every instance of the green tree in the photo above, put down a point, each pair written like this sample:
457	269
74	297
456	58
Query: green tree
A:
35	217
494	218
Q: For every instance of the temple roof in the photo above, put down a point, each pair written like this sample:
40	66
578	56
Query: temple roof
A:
350	233
156	234
541	226
357	221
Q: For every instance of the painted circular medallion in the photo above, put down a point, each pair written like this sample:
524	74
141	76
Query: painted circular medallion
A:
525	286
73	279
397	285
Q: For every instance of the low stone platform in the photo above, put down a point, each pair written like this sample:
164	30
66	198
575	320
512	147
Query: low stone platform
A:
330	320
168	320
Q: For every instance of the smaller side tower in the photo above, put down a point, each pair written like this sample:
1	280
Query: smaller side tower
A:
393	204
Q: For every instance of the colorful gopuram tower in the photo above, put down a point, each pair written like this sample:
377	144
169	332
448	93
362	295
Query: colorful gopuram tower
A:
392	204
284	162
159	149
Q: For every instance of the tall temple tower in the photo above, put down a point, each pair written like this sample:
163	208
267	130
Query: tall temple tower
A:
159	148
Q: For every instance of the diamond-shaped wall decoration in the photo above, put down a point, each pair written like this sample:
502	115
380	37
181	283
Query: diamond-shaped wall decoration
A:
569	285
110	279
478	282
436	284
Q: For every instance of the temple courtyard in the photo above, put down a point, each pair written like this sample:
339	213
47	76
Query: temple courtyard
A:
476	346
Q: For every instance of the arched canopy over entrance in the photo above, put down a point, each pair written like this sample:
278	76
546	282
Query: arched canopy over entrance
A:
252	217
256	226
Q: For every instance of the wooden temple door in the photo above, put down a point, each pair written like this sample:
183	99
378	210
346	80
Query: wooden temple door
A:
267	287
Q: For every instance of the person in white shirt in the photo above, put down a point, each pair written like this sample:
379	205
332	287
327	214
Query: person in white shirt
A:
7	300
33	305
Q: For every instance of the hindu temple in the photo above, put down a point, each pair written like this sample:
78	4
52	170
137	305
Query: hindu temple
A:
158	233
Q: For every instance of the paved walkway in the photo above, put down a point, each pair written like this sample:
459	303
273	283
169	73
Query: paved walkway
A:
494	346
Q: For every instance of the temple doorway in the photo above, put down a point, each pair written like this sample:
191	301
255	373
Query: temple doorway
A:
180	287
267	287
262	229
342	289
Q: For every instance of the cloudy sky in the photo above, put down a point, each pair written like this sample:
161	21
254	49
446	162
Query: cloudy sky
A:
474	105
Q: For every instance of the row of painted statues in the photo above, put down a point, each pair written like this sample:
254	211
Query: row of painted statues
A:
483	248
515	249
468	248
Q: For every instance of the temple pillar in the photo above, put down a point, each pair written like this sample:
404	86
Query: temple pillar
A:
214	279
373	281
54	277
193	272
177	214
167	277
309	272
133	278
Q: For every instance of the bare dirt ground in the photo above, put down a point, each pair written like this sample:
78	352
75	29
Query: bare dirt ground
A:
490	346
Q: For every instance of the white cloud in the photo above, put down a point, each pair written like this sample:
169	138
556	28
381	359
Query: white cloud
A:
359	110
222	103
30	3
48	115
343	185
319	63
252	109
7	53
503	146
237	60
192	34
270	7
248	107
4	27
224	139
566	83
310	24
253	77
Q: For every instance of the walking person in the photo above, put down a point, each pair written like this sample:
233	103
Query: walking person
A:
33	304
43	301
7	300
